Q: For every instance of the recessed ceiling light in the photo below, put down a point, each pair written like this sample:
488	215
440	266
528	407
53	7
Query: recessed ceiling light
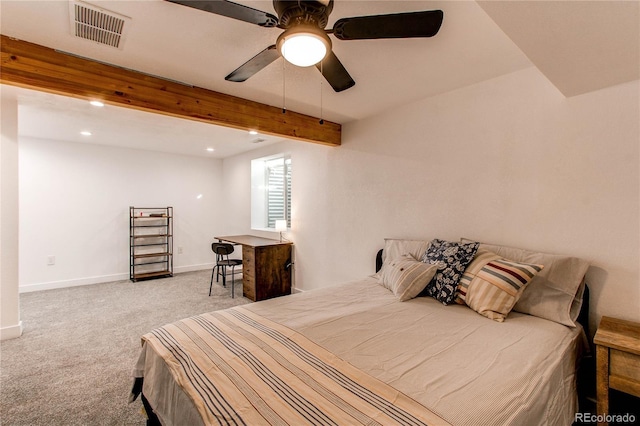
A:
85	133
210	149
253	132
97	103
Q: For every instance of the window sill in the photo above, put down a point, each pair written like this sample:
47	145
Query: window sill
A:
273	231
265	229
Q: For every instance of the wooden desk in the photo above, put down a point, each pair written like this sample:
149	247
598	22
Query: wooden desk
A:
266	266
617	360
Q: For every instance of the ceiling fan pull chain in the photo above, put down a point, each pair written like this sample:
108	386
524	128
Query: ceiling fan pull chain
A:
284	104
321	78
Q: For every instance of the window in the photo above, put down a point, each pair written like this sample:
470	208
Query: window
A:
270	191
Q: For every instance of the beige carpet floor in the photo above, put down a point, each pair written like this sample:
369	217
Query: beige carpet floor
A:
73	363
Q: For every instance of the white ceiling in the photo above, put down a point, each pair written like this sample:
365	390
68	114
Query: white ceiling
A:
580	46
562	38
59	118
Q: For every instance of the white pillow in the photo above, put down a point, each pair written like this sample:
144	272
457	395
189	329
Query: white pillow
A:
394	248
555	293
406	277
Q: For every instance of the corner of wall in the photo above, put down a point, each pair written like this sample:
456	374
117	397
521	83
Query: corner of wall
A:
11	332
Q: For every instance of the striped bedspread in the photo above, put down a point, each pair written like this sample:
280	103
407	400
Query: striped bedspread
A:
242	369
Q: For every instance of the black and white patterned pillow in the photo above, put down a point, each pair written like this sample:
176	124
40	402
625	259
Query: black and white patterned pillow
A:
452	259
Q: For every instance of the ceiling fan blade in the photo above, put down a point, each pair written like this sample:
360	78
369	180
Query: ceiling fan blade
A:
232	10
254	64
398	25
335	73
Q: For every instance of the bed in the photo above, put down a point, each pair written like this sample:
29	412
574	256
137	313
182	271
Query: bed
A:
353	353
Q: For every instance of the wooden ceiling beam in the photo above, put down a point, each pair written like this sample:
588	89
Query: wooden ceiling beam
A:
41	68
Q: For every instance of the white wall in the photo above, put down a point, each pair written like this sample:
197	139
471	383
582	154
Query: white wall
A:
10	324
508	161
74	205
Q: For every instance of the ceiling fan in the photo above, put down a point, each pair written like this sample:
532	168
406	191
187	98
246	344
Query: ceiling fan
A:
305	42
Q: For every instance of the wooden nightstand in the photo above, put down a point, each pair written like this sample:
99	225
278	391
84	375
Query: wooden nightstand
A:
617	360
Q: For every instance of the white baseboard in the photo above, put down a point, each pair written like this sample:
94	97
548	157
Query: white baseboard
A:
72	283
192	268
100	279
297	290
11	332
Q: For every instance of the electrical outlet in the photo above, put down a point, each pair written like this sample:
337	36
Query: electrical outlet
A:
51	260
180	250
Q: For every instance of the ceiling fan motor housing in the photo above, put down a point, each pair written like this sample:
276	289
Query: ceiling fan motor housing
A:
303	12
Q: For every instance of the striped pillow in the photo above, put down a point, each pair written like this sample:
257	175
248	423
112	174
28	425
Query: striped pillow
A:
406	277
491	285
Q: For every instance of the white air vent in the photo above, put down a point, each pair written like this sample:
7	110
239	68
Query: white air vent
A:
96	24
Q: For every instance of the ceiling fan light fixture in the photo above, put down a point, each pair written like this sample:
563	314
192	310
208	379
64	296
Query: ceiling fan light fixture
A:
304	46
